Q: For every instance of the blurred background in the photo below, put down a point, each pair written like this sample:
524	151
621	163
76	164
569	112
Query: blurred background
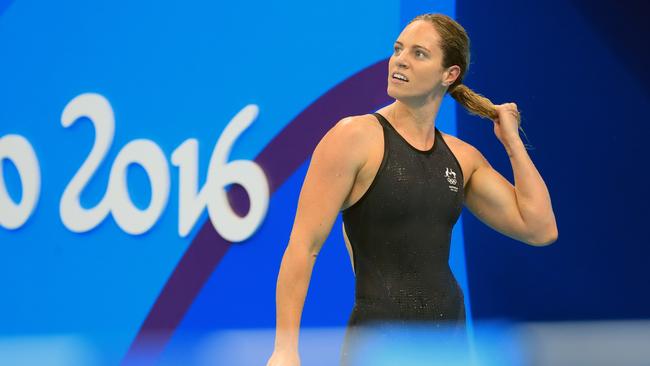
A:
128	236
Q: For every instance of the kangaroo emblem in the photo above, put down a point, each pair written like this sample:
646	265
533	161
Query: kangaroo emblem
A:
451	178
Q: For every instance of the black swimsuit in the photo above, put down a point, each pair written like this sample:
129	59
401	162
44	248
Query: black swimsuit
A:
400	234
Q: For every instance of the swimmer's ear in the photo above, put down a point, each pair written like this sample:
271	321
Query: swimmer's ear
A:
450	75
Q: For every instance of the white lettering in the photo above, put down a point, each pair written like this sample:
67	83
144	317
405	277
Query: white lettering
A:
192	200
150	157
221	173
19	151
100	113
116	200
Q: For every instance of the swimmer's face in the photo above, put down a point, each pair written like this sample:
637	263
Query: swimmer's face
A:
418	57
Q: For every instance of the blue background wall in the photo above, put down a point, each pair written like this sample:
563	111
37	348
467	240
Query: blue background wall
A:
576	71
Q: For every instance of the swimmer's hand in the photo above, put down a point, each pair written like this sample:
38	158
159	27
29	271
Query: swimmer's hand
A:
506	125
284	358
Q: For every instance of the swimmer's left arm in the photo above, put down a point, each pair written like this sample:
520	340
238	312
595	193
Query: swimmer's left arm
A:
523	211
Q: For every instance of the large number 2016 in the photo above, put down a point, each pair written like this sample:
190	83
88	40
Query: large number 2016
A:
192	200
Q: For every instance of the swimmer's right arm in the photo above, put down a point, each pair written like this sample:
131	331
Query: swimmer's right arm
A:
334	165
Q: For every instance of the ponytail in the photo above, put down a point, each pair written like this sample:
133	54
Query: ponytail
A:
475	103
454	43
479	105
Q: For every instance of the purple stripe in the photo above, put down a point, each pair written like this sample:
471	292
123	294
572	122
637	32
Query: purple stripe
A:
359	94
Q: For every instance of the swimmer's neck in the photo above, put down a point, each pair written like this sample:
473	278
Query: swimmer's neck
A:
414	117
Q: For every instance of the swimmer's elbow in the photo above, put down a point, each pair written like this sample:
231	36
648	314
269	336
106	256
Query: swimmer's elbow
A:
304	249
546	239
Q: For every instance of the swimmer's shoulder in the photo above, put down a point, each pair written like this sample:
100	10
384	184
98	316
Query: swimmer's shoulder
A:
348	142
468	156
360	125
358	131
456	143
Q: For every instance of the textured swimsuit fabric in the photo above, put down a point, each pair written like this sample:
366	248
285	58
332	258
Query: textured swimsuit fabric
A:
400	234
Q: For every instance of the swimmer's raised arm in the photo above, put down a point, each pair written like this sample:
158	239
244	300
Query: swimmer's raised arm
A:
334	165
523	211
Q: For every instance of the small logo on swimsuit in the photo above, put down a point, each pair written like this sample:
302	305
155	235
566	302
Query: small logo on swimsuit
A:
451	178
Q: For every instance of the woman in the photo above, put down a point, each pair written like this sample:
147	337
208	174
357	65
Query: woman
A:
400	184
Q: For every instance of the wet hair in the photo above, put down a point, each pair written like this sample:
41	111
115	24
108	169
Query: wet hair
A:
454	43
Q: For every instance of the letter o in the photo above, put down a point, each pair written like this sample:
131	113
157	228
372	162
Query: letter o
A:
150	157
17	149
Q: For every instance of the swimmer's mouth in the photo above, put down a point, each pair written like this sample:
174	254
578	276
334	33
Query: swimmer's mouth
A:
399	76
